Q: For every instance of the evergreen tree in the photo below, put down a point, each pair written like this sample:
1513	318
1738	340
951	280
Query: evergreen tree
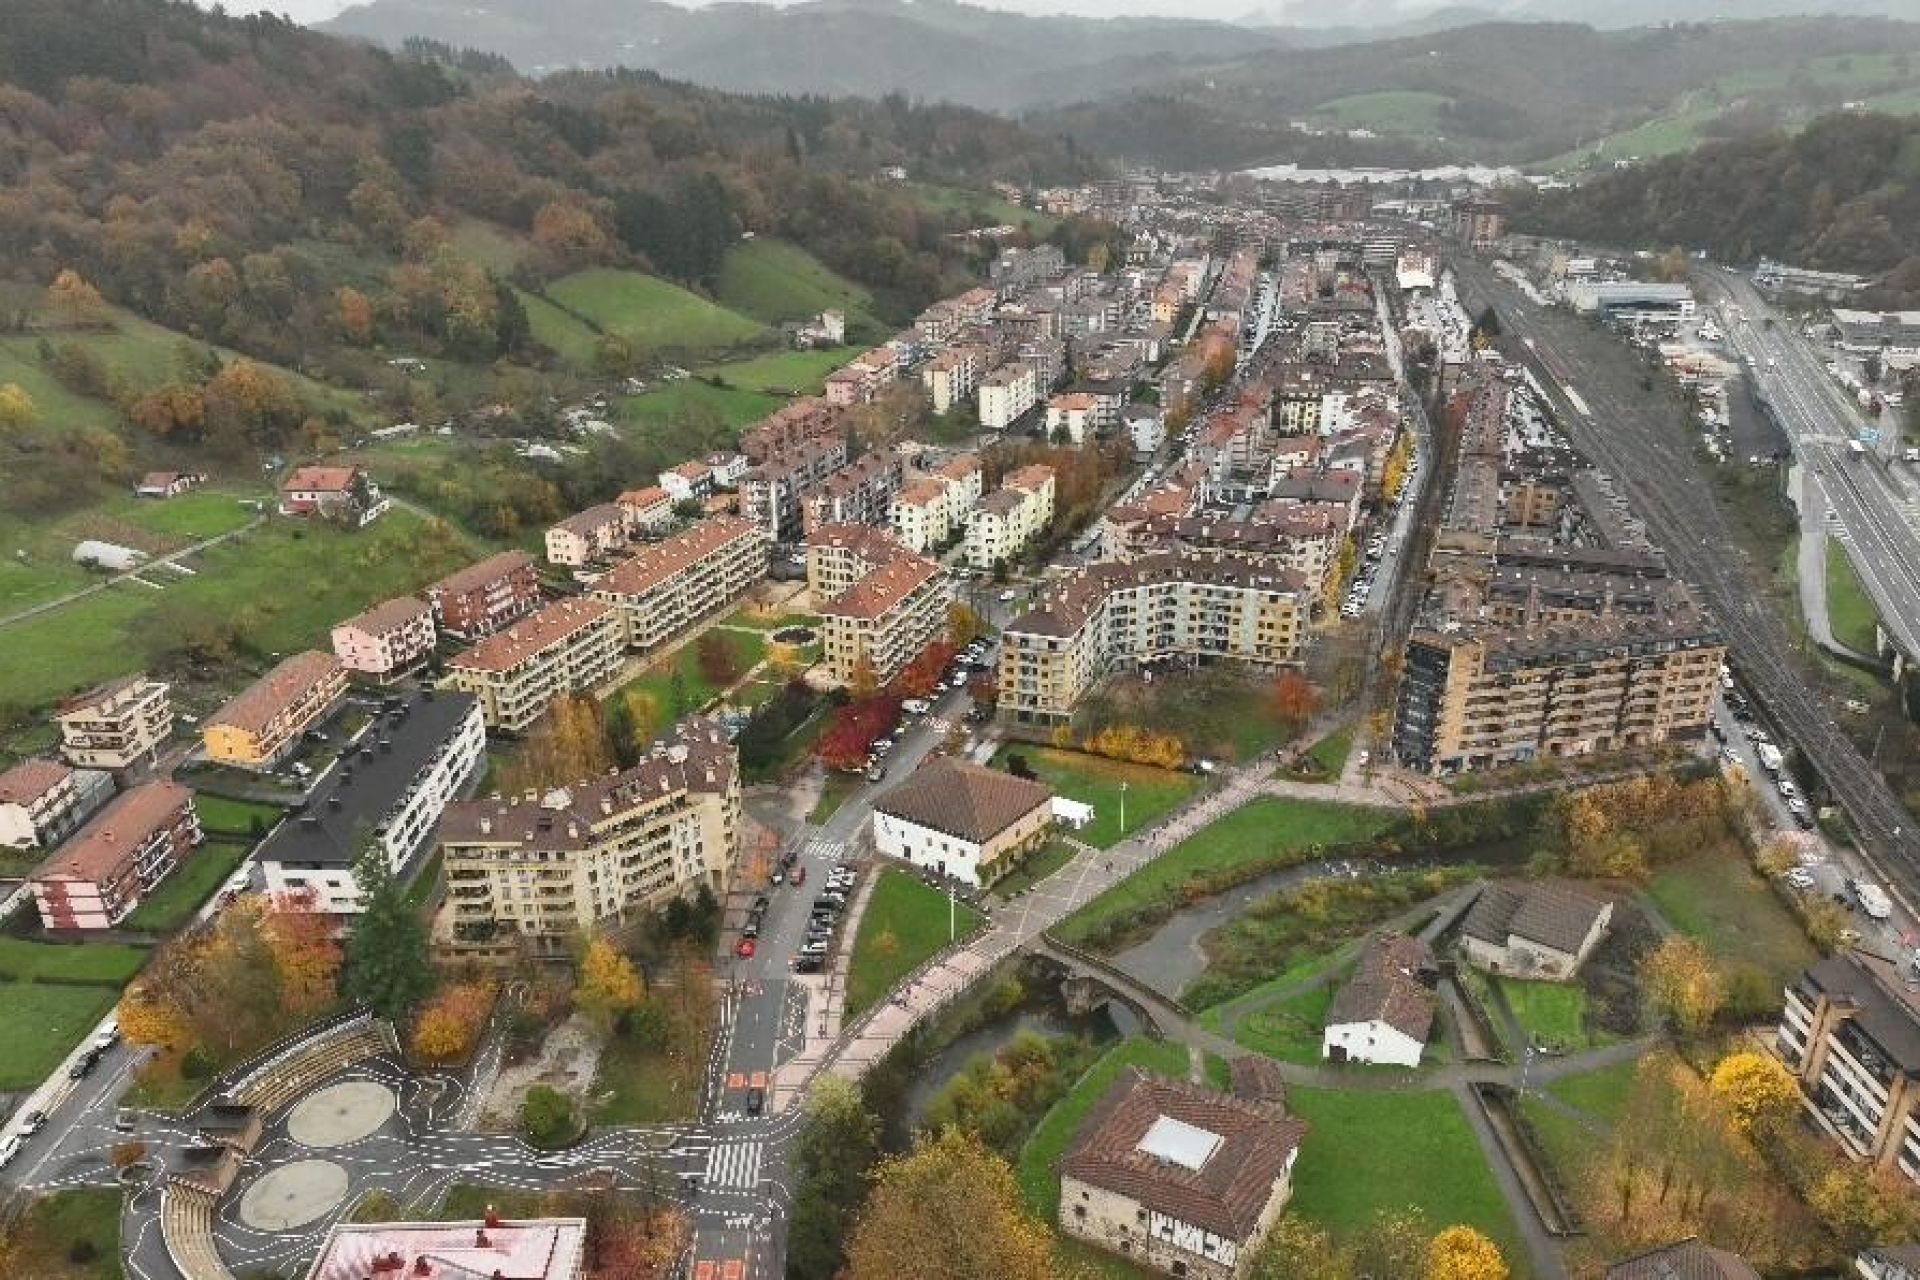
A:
387	966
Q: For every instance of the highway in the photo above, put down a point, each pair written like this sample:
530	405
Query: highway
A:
1594	382
1880	516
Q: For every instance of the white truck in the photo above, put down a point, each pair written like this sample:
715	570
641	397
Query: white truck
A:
1769	757
1872	899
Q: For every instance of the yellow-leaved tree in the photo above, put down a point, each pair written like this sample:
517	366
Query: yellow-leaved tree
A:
1682	985
1755	1089
1461	1253
609	984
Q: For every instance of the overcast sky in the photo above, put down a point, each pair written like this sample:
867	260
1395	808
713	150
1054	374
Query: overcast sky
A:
318	10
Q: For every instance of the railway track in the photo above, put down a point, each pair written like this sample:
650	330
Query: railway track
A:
1611	419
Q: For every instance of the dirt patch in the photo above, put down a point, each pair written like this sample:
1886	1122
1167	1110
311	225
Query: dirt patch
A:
568	1060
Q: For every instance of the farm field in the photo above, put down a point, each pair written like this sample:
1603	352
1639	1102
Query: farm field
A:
651	313
799	373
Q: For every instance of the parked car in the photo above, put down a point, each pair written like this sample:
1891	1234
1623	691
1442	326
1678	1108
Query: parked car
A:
32	1123
756	1101
9	1151
744	949
809	964
797	876
814	949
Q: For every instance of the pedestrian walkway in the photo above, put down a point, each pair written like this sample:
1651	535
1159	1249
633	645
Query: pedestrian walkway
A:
734	1165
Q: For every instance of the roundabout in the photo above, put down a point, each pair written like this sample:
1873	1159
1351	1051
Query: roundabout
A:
341	1114
293	1195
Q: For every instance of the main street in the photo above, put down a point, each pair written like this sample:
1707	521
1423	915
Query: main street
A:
1875	506
1595	385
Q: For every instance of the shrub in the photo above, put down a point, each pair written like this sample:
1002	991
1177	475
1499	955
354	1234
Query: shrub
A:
546	1117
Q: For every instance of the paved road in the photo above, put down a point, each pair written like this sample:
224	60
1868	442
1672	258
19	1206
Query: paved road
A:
1595	386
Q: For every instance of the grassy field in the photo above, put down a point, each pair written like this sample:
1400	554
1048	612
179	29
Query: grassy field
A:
987	209
493	247
1096	781
1037	868
640	1085
191	884
1271	832
1408	112
1601	1094
759	620
338	574
38	564
1553	1014
1290	1030
1221	713
71	1235
658	408
44	1021
105	963
772	281
838	790
1039	1178
1370	1151
657	682
1849	611
221	816
650	313
565	335
905	924
799	373
1723	903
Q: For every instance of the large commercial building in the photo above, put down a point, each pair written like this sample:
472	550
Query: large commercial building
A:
665	588
484	597
117	725
1158	606
1850	1033
540	869
389	788
261	727
100	875
567	647
880	604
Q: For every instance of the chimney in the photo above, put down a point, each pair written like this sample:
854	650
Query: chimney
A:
486	826
493	1217
480	1240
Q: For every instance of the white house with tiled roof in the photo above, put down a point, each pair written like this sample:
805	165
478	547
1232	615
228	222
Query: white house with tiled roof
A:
962	820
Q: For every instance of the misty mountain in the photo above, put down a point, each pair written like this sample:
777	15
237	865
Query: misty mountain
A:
935	50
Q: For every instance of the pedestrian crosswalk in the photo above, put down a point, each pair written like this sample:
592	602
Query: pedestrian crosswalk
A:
825	847
735	1165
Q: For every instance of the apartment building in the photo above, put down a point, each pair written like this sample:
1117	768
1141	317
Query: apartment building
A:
484	597
839	555
387	640
1306	543
566	647
390	787
1070	417
922	515
593	534
964	480
1157	606
647	510
790	426
100	875
665	588
1004	522
118	725
262	725
1850	1033
952	377
770	491
541	869
860	379
40	802
1527	664
886	619
859	493
1006	394
688	482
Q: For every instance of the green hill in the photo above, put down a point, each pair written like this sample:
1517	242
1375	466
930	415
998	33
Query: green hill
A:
651	314
774	281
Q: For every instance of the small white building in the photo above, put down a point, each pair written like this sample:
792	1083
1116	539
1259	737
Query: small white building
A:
962	820
1385	1012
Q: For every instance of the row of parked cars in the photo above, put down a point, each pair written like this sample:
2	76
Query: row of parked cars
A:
824	919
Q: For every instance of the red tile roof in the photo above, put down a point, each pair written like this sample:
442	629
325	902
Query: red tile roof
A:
27	781
504	650
653	565
964	800
487	571
126	823
256	705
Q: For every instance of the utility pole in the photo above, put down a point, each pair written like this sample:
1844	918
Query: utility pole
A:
1123	806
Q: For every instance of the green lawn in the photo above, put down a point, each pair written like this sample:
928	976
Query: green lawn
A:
1553	1013
799	373
1267	834
55	1228
640	1085
1331	752
696	690
493	247
44	1020
649	312
565	335
838	790
772	281
1096	781
192	882
1056	855
1214	1018
1569	1145
221	816
905	924
1409	112
768	622
667	402
246	578
1377	1150
37	564
189	518
1222	713
1849	610
1037	1171
1601	1094
1290	1030
1720	901
986	210
104	963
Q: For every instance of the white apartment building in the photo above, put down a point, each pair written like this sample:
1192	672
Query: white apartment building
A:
1006	394
117	725
1006	520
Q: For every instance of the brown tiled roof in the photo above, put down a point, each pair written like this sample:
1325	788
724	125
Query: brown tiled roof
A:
690	470
1072	600
1688	1259
320	479
390	615
1028	479
1552	915
883	588
538	631
491	569
869	542
256	705
1386	987
128	821
641	499
963	799
565	818
101	693
586	522
1001	502
959	468
1226	1194
664	560
921	493
31	779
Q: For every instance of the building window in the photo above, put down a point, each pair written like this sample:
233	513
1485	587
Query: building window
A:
1079	1211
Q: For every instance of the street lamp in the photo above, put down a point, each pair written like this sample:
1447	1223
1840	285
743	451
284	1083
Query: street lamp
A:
1123	806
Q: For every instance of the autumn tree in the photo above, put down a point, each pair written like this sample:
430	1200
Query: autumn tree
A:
450	1024
1862	1205
1755	1089
1682	985
1461	1253
74	302
1299	1250
950	1210
569	745
1293	701
570	235
866	679
354	312
963	625
719	663
17	410
838	1143
609	984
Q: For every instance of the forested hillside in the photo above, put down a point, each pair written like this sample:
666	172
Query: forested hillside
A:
1843	195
